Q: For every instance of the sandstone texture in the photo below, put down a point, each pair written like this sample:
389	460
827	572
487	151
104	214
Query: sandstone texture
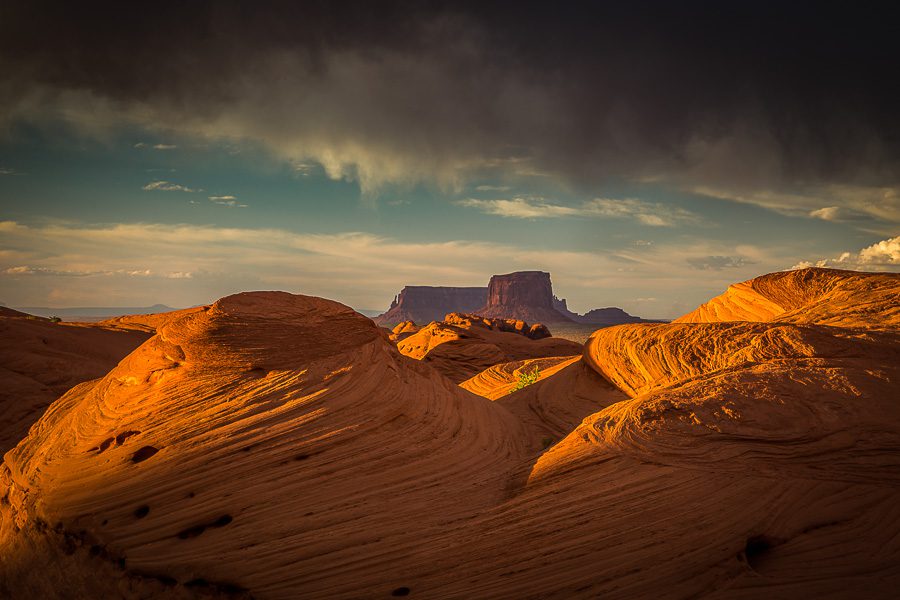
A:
525	295
41	360
280	446
462	345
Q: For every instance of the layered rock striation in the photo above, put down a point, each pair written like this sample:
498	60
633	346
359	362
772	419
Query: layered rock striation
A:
824	296
462	345
40	360
272	445
525	295
267	444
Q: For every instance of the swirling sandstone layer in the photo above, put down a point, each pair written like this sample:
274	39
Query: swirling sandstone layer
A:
274	443
566	391
784	435
824	296
279	447
463	345
40	360
149	322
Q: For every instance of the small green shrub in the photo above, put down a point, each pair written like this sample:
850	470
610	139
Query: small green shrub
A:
547	442
55	319
526	379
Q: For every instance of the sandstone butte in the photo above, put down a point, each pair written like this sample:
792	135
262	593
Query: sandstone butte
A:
281	446
524	295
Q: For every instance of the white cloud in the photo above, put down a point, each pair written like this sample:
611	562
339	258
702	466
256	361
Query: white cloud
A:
646	213
885	252
30	270
165	186
829	213
492	188
304	169
4	171
142	145
520	208
652	220
881	256
230	201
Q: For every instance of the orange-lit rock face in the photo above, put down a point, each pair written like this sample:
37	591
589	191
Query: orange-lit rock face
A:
526	295
462	345
255	424
277	443
40	360
824	296
403	330
150	322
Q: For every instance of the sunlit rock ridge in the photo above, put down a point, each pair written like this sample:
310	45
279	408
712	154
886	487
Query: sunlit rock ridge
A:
281	446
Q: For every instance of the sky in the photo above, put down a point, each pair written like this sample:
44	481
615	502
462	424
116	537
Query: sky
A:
647	155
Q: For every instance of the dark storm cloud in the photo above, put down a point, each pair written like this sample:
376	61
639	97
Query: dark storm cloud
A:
746	99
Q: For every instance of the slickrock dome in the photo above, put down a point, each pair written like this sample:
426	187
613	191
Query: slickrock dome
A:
40	360
462	345
259	444
824	296
280	446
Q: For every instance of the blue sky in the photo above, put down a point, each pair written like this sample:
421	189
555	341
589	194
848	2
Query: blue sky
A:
234	216
646	156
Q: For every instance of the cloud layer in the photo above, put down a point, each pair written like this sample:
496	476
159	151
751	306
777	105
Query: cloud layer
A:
179	265
693	95
166	186
646	213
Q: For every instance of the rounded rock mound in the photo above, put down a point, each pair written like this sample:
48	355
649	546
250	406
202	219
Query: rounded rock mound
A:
286	424
812	295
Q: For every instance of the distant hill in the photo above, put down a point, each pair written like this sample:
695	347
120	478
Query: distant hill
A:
524	295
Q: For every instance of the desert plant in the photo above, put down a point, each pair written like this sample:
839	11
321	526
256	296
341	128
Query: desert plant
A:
547	442
55	319
527	378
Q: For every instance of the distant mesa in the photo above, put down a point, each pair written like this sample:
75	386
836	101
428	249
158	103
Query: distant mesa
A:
423	304
599	316
523	295
526	295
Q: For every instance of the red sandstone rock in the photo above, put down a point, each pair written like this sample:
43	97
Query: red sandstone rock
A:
526	295
424	304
